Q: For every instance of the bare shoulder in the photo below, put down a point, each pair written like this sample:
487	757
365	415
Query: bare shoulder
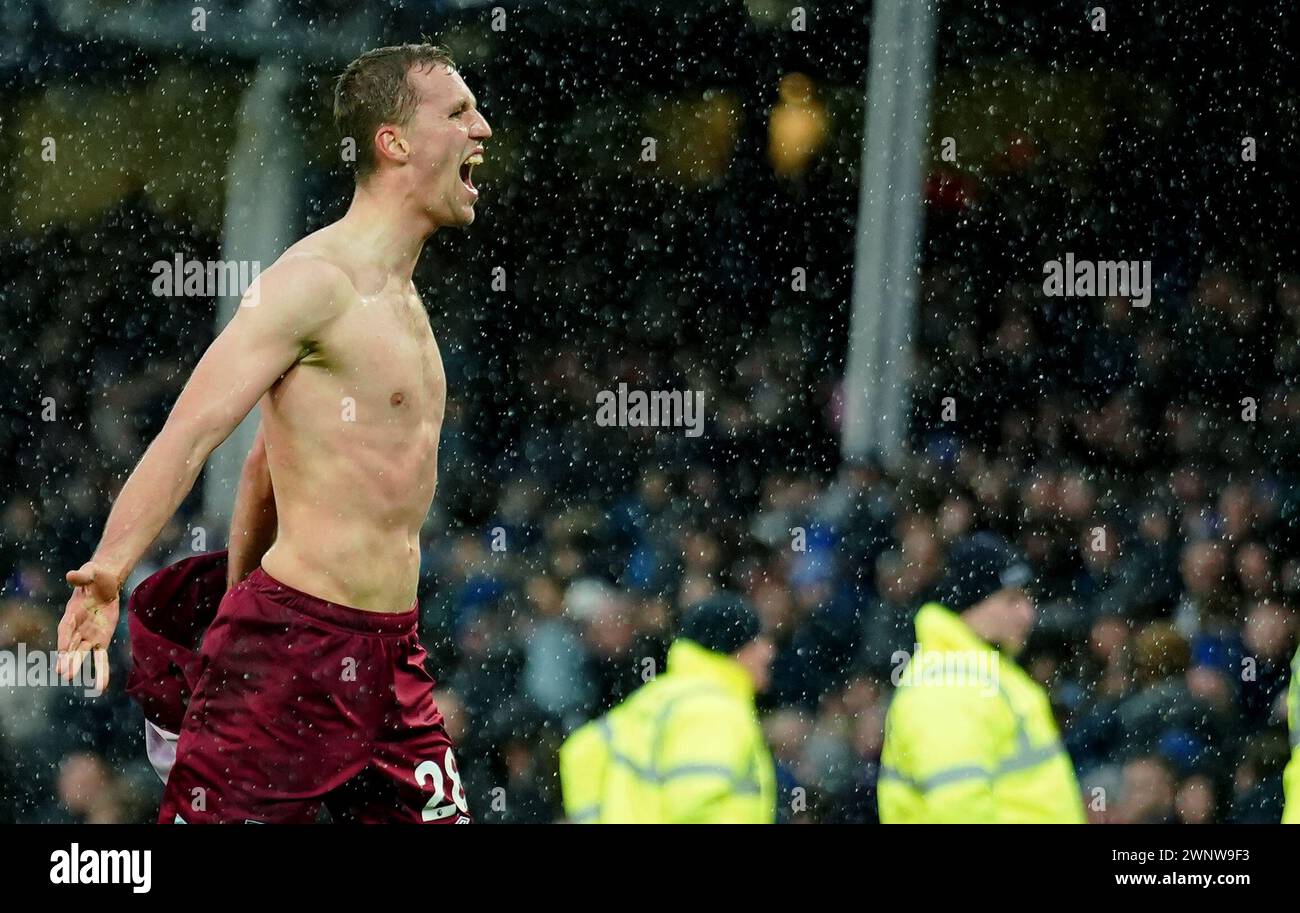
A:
304	290
303	274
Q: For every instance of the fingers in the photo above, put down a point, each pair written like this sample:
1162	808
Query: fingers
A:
80	646
70	636
64	668
76	661
71	657
73	660
62	664
65	630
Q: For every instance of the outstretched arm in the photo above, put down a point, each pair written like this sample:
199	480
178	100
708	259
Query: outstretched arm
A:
253	521
287	307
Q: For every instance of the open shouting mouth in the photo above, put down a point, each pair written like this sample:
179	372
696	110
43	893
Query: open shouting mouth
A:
467	169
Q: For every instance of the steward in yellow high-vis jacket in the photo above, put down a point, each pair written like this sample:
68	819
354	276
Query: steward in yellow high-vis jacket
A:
969	736
686	748
1291	777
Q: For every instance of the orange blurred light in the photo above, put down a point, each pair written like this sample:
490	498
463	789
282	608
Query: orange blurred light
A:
799	126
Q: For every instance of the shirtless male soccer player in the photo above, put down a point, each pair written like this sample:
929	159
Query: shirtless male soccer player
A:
311	685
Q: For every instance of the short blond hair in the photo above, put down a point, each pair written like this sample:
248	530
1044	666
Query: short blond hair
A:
373	90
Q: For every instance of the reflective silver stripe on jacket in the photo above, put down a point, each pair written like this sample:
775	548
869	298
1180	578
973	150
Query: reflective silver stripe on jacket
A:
1020	761
746	783
1027	756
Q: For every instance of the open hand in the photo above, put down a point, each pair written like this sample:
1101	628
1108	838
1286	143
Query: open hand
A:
88	622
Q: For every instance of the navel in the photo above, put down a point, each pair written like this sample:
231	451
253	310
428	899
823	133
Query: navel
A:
397	399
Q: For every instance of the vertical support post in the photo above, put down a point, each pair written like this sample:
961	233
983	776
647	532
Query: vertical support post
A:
887	255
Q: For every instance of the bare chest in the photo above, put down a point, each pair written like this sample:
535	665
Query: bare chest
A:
385	350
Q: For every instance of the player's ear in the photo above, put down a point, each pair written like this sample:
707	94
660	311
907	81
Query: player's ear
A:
390	144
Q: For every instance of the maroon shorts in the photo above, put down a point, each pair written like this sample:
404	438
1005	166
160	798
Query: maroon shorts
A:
300	703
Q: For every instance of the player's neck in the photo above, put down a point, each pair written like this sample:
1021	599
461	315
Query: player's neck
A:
391	230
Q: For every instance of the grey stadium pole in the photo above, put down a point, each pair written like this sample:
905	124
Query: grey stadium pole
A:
887	251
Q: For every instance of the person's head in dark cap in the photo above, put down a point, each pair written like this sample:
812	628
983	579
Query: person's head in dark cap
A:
725	623
985	581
